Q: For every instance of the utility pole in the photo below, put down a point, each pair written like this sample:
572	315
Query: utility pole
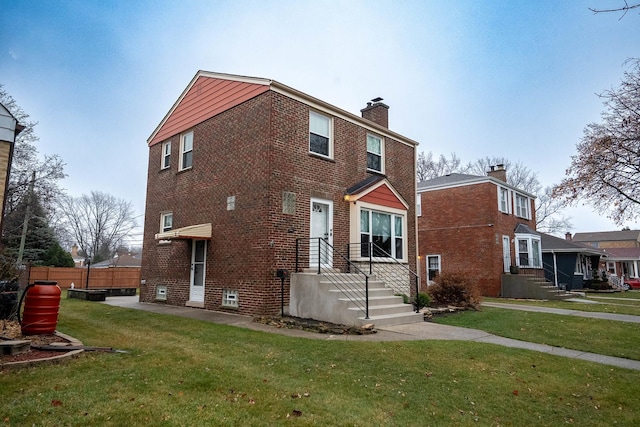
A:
27	217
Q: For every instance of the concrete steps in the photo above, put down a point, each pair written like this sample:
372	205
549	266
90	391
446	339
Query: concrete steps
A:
340	298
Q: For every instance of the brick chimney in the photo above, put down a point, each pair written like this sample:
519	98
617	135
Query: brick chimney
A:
498	172
74	251
567	236
376	112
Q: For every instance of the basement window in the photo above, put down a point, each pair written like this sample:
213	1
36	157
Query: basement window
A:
161	293
230	298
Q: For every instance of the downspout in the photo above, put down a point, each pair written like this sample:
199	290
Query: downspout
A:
555	269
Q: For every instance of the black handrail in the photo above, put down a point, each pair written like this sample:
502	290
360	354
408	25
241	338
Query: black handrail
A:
350	284
373	252
542	271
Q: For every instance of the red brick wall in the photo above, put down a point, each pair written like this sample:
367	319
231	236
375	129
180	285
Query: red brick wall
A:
455	225
255	151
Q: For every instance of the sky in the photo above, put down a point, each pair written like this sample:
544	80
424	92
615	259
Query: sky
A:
515	79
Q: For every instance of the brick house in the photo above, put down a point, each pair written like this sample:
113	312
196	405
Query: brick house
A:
242	169
467	224
621	247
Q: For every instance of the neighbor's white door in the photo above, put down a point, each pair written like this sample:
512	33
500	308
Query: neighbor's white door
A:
198	262
321	227
506	252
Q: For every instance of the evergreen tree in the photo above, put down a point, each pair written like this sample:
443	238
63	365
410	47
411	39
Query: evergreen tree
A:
40	237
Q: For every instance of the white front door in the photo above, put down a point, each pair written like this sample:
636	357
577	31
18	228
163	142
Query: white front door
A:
506	252
321	228
198	262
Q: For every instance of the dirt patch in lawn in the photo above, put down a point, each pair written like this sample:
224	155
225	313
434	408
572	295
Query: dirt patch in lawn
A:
315	326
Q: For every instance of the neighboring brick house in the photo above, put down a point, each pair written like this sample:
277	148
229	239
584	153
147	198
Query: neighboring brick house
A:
467	224
622	250
242	167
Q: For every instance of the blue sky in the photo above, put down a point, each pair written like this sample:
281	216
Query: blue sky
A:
477	78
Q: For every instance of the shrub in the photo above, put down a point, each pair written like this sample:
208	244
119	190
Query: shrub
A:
454	289
422	301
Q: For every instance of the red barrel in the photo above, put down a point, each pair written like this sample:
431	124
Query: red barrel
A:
41	305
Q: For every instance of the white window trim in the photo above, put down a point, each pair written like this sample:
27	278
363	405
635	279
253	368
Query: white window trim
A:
385	210
527	206
419	204
330	136
182	151
427	266
382	156
529	238
508	193
164	215
165	155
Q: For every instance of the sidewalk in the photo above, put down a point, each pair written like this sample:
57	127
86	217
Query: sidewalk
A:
407	332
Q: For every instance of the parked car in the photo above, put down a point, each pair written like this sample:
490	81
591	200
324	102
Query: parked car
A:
633	283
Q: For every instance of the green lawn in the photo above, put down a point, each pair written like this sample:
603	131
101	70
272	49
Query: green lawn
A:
607	337
183	372
619	303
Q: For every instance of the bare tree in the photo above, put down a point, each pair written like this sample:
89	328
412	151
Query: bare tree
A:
605	172
26	160
624	9
518	174
549	216
98	222
428	168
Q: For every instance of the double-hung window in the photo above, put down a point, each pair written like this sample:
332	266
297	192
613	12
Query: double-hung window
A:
166	154
166	221
433	267
186	150
528	247
503	200
522	206
320	134
383	232
375	153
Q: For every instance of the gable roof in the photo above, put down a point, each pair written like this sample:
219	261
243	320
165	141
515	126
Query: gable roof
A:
124	260
605	236
209	94
377	190
460	179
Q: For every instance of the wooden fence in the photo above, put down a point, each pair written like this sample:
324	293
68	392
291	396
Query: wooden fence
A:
99	278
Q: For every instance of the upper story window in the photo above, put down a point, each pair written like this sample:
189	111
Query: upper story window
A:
186	150
166	155
522	206
385	231
503	200
166	221
320	134
375	153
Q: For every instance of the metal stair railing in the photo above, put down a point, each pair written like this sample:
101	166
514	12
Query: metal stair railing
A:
387	267
543	272
321	257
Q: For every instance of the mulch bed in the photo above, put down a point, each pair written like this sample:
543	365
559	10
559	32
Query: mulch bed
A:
10	330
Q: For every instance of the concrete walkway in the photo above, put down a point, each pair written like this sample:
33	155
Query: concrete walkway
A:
592	315
408	332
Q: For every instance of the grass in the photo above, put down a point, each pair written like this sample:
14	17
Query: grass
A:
606	337
184	372
624	303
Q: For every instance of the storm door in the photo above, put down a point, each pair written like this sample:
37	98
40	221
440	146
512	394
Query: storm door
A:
321	242
198	262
